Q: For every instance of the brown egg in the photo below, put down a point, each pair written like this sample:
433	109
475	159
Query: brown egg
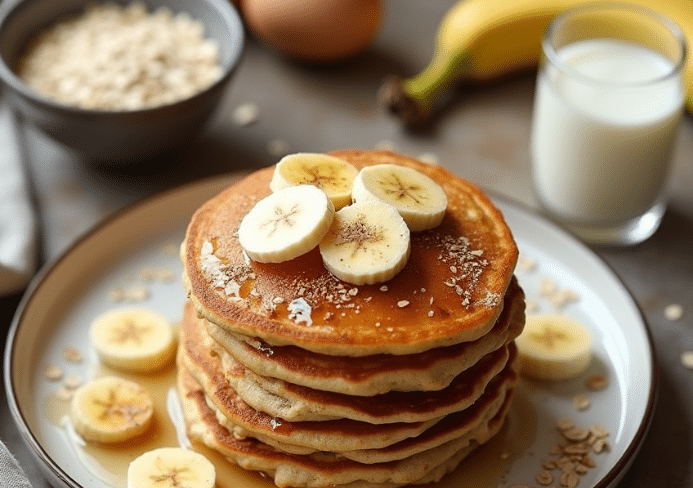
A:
314	30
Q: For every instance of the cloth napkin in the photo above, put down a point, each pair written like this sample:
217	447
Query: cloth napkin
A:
18	221
11	473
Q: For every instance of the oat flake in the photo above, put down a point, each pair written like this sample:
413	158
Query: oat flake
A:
300	311
53	373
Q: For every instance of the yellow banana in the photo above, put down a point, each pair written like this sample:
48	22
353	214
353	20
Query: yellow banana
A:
484	40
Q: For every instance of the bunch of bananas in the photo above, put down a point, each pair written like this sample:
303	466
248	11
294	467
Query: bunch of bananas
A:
484	40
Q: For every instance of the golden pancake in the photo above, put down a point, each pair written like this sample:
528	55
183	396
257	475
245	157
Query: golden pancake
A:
297	405
325	469
332	435
450	291
429	370
447	429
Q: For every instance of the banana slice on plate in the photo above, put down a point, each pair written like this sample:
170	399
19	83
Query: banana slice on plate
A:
133	339
171	467
111	409
368	243
554	347
332	175
286	224
419	199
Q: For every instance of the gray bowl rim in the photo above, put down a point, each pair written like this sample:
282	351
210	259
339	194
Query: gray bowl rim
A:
226	10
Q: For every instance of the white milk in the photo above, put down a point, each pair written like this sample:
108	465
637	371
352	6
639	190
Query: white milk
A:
603	130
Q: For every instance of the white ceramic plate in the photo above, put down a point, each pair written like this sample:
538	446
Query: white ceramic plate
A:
57	309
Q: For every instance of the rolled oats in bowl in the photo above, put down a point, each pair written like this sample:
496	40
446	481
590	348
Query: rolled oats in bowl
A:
121	57
118	81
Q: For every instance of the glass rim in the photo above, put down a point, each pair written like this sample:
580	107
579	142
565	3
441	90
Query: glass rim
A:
551	55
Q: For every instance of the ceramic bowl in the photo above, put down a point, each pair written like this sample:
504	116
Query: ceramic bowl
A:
116	136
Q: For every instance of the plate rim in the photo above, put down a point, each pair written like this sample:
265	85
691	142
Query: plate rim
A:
53	471
47	465
621	466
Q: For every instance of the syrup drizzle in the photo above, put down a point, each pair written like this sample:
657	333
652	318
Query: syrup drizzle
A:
486	467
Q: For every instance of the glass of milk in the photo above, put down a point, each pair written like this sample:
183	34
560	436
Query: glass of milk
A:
607	106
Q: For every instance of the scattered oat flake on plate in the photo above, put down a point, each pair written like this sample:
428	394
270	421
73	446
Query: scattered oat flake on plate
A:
151	273
116	295
581	401
544	478
531	306
569	479
547	286
134	294
53	373
64	394
72	355
596	382
576	434
565	424
73	382
525	263
561	298
673	312
571	457
138	293
170	249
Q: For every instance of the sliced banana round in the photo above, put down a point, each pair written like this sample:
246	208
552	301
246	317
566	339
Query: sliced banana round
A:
332	175
111	409
133	339
554	347
419	199
171	467
368	243
286	224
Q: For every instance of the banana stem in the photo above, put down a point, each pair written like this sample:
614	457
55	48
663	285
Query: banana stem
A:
428	86
412	99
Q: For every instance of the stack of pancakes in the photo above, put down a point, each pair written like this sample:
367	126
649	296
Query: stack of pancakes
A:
372	385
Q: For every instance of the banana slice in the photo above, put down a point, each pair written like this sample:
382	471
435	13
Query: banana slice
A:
171	467
554	347
419	199
111	409
368	243
332	175
286	224
133	339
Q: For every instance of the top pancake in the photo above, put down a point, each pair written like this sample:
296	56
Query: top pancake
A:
450	291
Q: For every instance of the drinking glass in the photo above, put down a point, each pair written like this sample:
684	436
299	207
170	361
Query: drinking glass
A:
608	101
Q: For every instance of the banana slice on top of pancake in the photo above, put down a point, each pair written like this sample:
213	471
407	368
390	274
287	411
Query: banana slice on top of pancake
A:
332	175
368	243
286	224
420	201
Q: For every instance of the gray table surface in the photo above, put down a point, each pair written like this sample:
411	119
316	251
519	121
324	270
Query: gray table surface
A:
482	135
